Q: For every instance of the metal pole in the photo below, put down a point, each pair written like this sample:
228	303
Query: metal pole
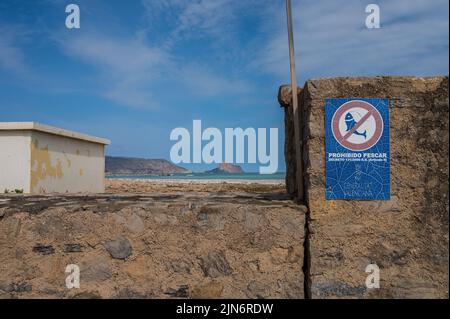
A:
297	133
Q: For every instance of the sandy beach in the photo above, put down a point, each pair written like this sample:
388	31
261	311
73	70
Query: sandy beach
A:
198	186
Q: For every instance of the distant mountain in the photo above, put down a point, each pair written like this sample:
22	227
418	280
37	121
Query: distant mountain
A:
226	168
140	166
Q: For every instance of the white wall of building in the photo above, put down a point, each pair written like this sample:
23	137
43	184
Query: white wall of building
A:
15	157
37	158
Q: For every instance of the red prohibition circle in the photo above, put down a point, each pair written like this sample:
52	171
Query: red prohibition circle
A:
343	139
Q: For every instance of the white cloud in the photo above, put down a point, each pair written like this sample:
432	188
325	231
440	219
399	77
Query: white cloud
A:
126	66
12	58
206	83
186	19
136	71
131	69
331	39
243	42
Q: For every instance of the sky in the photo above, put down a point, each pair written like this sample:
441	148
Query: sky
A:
138	69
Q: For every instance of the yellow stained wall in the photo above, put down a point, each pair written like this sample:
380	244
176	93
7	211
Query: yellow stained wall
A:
65	165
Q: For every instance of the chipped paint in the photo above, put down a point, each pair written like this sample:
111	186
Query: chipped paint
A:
41	165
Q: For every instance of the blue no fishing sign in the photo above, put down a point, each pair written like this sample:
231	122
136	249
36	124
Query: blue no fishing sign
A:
357	149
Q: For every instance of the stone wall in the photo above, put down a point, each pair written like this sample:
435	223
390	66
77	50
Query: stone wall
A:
176	245
239	244
407	236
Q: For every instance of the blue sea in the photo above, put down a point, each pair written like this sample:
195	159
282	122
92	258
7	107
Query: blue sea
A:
206	176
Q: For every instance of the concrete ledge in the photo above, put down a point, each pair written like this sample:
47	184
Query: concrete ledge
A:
33	126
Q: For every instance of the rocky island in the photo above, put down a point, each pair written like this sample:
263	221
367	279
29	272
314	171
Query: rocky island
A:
226	168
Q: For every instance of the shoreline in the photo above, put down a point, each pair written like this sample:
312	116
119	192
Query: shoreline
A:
200	181
121	185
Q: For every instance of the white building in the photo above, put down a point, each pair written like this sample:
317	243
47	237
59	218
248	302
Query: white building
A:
36	158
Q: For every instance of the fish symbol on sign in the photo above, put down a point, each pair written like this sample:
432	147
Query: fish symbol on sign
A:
350	122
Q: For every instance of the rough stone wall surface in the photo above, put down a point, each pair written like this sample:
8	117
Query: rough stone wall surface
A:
407	236
284	98
152	246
